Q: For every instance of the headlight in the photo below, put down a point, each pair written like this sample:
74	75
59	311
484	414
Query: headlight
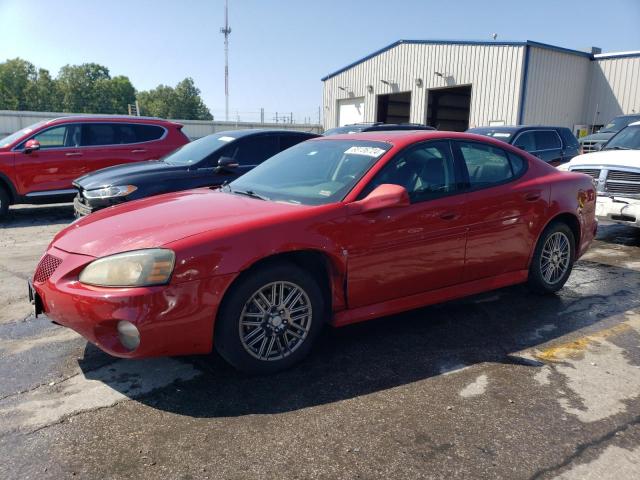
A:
110	192
564	167
130	269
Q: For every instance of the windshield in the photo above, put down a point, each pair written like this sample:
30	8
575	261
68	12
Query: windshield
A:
627	139
503	135
315	172
345	129
200	149
618	124
8	140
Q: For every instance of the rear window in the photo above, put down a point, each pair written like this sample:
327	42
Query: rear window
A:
569	138
95	134
148	133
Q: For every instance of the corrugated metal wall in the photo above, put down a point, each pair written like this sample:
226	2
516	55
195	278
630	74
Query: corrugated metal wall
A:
11	121
557	84
494	71
614	89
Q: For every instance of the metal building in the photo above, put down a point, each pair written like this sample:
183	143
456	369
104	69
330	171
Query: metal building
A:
453	85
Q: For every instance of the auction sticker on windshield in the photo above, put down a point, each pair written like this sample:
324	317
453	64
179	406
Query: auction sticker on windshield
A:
367	151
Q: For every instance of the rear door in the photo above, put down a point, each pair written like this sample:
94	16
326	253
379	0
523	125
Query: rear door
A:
503	210
52	168
106	144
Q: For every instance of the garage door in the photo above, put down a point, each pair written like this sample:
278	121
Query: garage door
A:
350	110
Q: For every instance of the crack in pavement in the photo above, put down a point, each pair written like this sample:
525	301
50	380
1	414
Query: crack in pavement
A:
582	447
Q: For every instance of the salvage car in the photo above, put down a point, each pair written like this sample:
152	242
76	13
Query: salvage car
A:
208	161
334	230
554	145
38	163
616	171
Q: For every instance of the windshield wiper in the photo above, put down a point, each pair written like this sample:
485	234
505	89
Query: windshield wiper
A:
249	193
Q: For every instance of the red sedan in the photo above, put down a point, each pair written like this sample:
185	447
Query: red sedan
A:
333	230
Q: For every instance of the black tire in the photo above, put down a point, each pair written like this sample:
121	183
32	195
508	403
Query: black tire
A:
274	323
540	283
4	203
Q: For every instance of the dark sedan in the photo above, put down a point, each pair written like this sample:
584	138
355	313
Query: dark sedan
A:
208	161
554	145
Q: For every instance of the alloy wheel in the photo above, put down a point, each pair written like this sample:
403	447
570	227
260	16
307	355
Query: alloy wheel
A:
555	258
275	321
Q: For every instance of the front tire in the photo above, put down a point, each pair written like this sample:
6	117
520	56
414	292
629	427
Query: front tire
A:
270	319
4	203
553	259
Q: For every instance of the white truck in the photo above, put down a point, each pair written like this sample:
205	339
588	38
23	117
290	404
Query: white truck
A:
616	173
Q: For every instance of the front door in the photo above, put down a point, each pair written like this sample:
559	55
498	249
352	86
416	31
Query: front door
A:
399	252
55	165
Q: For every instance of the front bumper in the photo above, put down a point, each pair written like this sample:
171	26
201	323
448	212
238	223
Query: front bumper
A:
173	319
83	206
625	211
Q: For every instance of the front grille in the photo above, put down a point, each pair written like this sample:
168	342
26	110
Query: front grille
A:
620	182
590	146
46	267
592	172
623	176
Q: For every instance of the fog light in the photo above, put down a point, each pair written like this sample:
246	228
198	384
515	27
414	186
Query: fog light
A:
128	334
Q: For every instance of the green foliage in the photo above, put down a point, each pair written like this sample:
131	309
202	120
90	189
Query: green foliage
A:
89	88
182	102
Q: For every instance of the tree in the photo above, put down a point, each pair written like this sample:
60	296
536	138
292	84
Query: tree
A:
182	102
42	93
15	76
78	87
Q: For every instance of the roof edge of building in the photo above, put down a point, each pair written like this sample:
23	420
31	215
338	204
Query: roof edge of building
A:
530	43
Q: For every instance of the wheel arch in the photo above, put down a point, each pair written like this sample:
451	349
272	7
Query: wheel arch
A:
8	186
329	271
568	218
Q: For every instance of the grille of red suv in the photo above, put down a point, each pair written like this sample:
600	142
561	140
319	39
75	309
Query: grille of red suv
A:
46	267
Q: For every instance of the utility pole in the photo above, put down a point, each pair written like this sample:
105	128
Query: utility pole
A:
226	31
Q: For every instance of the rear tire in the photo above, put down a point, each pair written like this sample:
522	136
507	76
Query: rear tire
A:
270	319
553	259
4	203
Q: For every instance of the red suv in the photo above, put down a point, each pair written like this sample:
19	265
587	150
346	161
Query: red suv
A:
38	163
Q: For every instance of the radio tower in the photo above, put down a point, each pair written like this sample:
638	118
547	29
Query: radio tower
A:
226	31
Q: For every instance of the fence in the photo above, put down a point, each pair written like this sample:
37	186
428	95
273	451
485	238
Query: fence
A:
12	121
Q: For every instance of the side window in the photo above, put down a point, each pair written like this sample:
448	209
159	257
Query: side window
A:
99	134
518	164
255	150
127	134
526	142
547	140
148	133
57	137
426	171
486	165
569	138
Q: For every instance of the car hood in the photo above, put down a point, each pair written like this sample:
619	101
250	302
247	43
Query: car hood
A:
608	158
123	174
594	137
156	221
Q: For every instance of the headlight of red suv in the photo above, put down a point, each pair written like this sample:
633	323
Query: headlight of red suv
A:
137	268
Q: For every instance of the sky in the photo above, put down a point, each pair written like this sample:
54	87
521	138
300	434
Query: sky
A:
280	49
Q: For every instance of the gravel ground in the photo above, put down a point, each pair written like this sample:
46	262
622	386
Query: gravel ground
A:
501	385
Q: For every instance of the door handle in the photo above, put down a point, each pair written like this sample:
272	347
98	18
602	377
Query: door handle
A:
449	216
532	197
139	150
73	154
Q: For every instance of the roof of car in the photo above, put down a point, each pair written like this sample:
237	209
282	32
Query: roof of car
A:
245	132
106	117
514	128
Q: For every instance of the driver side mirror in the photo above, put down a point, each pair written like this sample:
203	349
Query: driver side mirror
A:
387	195
521	147
31	146
227	163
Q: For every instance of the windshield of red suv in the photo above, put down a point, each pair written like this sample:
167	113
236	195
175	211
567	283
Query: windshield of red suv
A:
314	172
8	140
